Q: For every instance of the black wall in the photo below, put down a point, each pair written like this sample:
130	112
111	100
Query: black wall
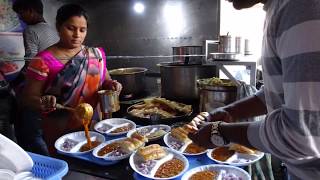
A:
115	26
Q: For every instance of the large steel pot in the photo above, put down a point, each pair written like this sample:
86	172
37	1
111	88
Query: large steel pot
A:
179	81
215	96
132	80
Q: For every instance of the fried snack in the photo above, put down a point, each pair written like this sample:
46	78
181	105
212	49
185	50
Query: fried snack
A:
241	149
180	134
136	135
84	111
174	105
160	106
151	152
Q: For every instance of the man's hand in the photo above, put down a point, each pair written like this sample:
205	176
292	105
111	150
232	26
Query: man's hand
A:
203	136
219	114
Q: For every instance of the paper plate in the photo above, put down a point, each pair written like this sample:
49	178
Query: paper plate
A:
174	144
134	162
147	130
13	157
75	140
238	159
223	170
106	125
110	158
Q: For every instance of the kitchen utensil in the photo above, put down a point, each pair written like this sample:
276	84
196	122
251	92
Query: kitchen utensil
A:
178	81
132	79
188	54
109	102
214	96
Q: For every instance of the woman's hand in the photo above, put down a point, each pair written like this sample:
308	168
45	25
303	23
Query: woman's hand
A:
48	103
112	85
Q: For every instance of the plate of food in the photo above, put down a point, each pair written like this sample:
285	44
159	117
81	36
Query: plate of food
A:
158	110
157	162
235	155
118	149
76	143
216	172
178	140
114	126
152	132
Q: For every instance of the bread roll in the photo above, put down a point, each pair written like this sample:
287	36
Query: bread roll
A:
151	152
127	146
136	135
137	143
180	134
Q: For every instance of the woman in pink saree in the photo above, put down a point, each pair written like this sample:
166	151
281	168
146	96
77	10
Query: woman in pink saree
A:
67	73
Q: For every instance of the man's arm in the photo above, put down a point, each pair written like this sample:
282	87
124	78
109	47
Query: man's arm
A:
30	43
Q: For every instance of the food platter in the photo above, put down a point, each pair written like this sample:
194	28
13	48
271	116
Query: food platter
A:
181	147
114	126
159	111
152	132
115	154
234	158
149	168
216	171
71	143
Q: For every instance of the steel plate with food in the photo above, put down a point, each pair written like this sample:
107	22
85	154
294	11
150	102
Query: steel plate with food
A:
118	149
235	155
152	132
157	162
76	143
159	109
114	126
216	172
178	140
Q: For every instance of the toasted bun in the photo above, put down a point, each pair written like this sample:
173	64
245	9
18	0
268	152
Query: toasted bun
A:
136	135
151	152
180	134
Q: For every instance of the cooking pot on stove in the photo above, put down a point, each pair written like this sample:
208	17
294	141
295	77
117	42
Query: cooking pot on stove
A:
132	80
179	80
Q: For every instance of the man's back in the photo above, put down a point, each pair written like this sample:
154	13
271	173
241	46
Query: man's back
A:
38	37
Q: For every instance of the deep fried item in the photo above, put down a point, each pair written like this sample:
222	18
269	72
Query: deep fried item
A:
180	134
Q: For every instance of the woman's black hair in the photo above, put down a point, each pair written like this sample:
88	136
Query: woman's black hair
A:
67	11
21	5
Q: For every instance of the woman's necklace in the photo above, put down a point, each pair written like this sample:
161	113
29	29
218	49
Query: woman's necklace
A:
65	54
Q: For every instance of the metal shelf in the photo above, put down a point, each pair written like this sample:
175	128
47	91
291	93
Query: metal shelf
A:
251	65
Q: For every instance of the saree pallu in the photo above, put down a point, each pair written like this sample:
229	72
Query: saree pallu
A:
77	82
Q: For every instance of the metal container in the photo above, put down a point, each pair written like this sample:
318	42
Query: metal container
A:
179	81
188	54
109	102
212	97
132	80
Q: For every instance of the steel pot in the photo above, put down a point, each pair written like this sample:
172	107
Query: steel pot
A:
132	80
179	81
181	54
214	96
